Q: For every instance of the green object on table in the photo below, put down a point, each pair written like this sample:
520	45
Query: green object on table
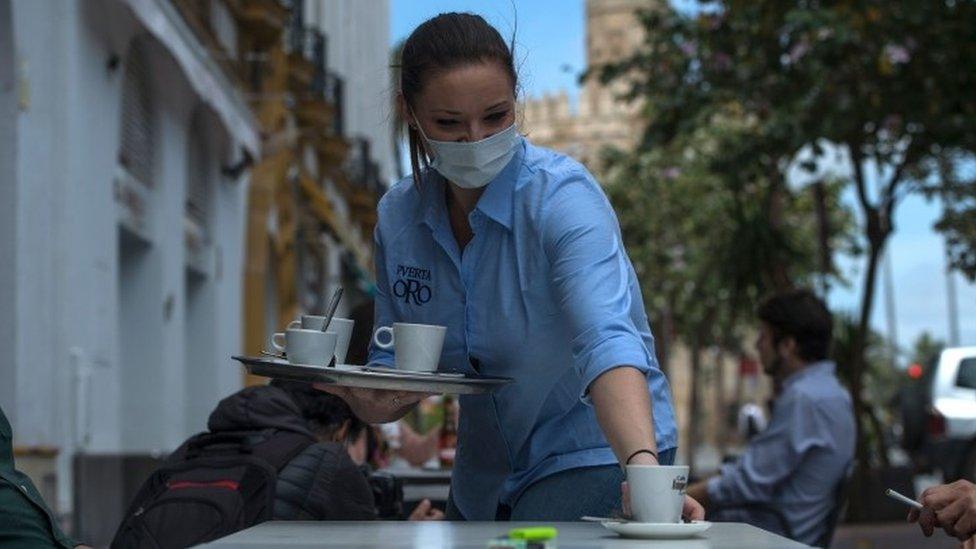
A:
533	533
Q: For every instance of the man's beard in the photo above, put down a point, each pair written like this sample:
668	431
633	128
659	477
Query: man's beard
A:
775	368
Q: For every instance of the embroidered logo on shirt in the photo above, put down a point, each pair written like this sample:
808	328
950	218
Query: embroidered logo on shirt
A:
410	284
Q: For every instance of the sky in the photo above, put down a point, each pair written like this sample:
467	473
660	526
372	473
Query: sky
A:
550	49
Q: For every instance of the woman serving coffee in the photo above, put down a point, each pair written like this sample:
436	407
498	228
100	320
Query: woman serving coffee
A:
516	250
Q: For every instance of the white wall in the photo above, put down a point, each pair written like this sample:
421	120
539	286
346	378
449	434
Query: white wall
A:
38	262
8	210
358	51
74	318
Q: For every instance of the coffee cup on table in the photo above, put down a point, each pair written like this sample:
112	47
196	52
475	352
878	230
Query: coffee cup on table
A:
417	347
312	347
657	492
342	327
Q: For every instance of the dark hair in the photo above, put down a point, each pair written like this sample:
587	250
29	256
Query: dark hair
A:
441	43
325	413
803	316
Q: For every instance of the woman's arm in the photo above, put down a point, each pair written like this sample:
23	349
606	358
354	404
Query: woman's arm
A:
623	410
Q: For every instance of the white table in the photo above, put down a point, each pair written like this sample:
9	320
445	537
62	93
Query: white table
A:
475	535
419	484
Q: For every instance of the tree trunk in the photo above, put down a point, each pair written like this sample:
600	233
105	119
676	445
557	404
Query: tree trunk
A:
665	340
876	235
823	235
694	403
721	411
777	273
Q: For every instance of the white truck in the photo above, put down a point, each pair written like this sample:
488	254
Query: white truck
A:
939	417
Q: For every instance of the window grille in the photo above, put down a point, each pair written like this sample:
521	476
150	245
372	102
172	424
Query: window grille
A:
136	142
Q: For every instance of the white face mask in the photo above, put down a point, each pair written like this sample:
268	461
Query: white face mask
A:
472	165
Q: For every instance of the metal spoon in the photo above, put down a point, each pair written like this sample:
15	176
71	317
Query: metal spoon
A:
332	308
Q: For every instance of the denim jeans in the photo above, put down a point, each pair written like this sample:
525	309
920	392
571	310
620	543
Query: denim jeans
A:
566	495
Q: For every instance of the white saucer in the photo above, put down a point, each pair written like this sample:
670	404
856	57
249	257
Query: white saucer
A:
658	530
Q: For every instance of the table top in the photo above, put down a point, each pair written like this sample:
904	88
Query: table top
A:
475	535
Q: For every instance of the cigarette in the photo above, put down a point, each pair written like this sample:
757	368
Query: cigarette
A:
904	499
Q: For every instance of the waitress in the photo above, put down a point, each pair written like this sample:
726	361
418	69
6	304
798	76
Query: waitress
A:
517	251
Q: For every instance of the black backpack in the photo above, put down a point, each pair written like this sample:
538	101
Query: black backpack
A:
213	486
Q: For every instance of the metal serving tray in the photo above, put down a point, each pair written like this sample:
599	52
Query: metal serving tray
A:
373	378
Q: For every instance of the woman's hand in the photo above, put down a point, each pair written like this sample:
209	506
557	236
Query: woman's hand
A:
691	510
375	405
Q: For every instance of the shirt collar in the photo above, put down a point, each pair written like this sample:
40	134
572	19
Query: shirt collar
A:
814	369
431	189
495	202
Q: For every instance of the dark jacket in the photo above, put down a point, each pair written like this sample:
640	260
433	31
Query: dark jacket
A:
25	521
320	483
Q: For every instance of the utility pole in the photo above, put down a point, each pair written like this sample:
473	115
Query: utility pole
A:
952	303
890	310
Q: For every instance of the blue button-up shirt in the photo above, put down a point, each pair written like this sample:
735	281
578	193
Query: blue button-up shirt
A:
795	465
544	293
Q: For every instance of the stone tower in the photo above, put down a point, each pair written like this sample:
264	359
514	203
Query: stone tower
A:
601	120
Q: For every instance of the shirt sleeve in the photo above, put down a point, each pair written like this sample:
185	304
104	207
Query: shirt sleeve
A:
771	456
591	278
382	305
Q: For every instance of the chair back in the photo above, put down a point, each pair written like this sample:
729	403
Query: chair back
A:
836	515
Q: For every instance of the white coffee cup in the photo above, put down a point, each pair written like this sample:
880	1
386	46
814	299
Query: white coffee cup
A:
342	327
657	492
312	347
417	346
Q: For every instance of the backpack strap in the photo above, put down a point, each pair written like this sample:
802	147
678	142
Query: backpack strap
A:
281	447
236	442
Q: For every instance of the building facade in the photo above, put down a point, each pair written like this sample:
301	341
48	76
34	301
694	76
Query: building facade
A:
158	158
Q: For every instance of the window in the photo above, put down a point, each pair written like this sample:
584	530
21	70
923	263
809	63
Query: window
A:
966	378
198	170
136	133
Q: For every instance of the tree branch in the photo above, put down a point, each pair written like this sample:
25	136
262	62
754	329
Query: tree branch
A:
889	196
860	184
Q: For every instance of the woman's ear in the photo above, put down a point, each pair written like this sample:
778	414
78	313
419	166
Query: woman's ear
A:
405	113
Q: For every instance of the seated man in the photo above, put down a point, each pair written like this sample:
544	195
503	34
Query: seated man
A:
796	464
25	521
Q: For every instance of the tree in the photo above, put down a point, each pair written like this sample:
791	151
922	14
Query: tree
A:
925	348
888	83
958	222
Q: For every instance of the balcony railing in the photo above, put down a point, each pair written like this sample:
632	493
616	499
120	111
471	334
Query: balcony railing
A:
316	42
362	170
333	92
296	25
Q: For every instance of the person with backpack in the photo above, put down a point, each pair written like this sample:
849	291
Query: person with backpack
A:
274	452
